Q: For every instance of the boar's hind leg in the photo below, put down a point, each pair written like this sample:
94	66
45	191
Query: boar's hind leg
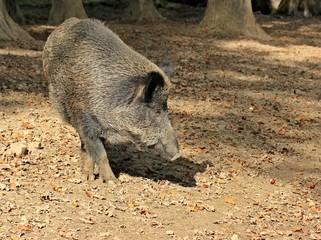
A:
93	151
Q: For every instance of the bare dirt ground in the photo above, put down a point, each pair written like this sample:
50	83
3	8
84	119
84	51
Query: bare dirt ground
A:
247	114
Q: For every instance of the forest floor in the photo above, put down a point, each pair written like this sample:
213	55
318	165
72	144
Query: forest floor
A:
247	114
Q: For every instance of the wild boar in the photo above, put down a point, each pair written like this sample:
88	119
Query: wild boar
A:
108	92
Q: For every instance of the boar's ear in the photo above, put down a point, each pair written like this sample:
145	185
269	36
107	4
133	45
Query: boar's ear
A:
154	82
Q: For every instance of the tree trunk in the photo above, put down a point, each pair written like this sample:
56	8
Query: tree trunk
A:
14	11
232	16
139	10
64	9
9	30
292	7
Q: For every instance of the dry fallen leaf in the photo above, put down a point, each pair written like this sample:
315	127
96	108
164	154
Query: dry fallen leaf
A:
221	181
260	216
257	202
75	203
154	224
311	186
57	188
89	220
144	212
195	208
35	103
199	149
27	125
233	170
88	194
300	118
24	227
99	197
229	200
131	204
16	136
13	186
162	195
257	109
273	180
297	229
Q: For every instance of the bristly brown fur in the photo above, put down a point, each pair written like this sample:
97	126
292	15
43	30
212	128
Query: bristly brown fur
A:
106	91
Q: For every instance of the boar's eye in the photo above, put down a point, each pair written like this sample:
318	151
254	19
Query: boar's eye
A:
154	82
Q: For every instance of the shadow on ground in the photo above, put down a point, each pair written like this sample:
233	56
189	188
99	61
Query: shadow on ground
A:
181	171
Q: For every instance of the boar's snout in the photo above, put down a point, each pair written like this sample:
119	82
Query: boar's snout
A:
178	155
168	146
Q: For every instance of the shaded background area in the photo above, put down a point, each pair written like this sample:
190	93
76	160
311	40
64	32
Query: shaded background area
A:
37	11
247	114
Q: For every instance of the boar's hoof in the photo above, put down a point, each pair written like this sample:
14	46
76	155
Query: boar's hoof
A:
105	172
88	176
88	167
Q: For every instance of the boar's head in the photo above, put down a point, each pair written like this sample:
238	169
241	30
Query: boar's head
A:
159	133
143	117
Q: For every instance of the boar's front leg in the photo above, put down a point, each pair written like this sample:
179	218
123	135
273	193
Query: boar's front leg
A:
88	164
92	147
93	151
